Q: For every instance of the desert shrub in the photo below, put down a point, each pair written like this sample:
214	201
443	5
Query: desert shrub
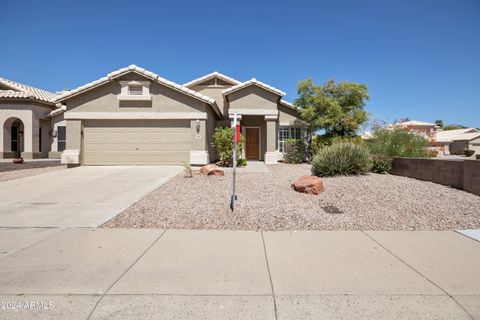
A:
223	142
341	159
432	153
294	151
381	163
319	142
469	153
241	162
187	168
398	142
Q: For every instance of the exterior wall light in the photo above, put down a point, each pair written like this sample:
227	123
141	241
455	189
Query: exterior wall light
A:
197	127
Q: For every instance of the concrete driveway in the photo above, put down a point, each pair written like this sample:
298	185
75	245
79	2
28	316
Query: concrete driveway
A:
78	197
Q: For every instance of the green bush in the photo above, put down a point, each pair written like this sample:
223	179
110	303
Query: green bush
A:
381	163
398	142
223	142
319	142
469	153
241	162
341	159
294	151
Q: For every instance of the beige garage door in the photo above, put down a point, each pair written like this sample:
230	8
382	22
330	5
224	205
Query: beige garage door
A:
117	142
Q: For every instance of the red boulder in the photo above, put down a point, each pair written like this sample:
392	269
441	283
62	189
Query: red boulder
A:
211	170
308	184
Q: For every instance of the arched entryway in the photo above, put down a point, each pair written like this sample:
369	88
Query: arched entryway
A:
13	138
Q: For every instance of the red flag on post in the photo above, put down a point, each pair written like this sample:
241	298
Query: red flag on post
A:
237	132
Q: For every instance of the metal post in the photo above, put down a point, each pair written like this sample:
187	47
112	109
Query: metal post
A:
234	160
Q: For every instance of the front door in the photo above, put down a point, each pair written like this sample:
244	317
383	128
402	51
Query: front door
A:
252	143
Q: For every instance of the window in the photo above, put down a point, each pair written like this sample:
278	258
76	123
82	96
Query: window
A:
285	133
135	90
14	138
61	138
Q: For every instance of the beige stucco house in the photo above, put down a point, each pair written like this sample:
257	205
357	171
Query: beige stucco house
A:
134	116
458	140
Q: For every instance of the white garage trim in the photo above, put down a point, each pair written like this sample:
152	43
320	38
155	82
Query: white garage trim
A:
134	115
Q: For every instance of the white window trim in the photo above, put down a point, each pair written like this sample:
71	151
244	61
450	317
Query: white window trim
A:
289	136
126	96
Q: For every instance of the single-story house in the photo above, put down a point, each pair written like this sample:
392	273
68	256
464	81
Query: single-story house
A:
459	140
134	116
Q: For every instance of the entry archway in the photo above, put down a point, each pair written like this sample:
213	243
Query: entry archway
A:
13	137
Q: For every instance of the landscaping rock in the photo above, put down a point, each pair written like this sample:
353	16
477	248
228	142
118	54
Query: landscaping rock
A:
308	184
211	170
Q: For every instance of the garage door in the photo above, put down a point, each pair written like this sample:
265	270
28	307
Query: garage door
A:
117	142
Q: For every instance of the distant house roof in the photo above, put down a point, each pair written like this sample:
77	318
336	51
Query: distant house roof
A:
214	74
415	123
23	91
457	134
254	82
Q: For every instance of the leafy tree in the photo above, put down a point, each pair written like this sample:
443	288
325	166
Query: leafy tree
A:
398	142
453	127
439	123
404	119
336	108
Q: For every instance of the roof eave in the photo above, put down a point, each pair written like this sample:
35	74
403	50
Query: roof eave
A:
29	99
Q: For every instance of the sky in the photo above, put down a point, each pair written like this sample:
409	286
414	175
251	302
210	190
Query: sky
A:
419	58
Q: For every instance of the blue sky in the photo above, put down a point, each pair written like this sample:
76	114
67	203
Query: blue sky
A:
420	58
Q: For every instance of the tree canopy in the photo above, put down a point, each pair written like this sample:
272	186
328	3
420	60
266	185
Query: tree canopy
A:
439	123
335	107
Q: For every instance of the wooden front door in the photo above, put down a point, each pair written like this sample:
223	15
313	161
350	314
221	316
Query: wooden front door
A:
252	143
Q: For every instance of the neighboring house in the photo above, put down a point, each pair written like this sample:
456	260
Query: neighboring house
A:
32	124
423	129
133	116
457	141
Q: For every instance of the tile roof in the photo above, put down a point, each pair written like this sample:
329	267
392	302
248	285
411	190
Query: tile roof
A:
209	76
20	90
288	104
457	134
417	123
138	70
253	81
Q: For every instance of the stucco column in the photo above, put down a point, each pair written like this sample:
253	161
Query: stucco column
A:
28	152
198	142
2	142
71	155
272	155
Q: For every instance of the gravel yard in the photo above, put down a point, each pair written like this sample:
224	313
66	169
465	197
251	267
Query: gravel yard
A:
10	171
267	202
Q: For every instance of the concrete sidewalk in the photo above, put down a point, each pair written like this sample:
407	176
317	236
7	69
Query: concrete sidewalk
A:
190	274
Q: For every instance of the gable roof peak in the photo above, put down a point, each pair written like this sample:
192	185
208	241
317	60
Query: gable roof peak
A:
254	81
212	75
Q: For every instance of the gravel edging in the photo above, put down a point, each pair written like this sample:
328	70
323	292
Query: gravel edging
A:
10	166
267	202
17	174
